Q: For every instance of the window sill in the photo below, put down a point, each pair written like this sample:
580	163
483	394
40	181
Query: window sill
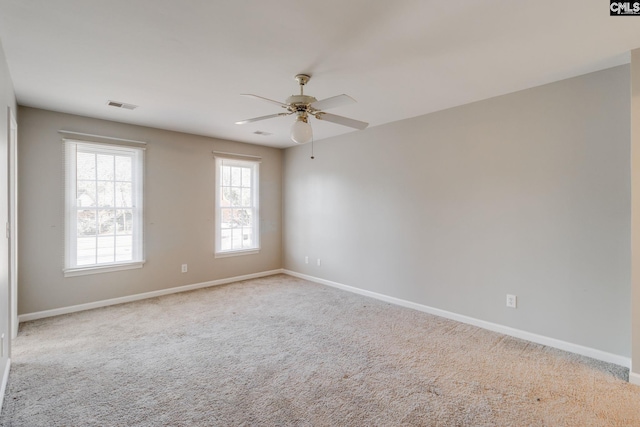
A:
82	271
236	253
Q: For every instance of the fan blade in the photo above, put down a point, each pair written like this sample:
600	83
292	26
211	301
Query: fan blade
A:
334	101
257	119
271	101
344	121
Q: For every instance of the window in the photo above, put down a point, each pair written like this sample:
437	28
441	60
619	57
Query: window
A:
103	207
237	215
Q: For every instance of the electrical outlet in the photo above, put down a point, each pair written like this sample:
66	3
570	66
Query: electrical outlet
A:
512	301
306	260
318	262
184	268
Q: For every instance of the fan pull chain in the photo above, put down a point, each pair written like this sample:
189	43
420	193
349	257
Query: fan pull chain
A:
312	157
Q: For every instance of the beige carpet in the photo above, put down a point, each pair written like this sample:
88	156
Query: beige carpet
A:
280	351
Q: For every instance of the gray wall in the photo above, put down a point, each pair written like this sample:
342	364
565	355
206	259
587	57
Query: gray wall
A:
7	100
179	213
527	193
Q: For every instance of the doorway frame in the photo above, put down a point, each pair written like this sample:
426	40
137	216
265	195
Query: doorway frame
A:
12	225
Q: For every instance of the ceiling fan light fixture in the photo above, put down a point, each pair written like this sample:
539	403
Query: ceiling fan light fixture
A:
301	131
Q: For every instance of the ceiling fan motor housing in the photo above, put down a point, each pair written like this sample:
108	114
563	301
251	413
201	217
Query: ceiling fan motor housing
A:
300	102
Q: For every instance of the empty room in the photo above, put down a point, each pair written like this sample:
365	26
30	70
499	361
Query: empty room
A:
294	213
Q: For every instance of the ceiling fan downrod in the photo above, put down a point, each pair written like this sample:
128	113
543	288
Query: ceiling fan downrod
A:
302	79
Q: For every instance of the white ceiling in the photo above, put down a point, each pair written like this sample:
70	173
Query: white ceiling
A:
186	62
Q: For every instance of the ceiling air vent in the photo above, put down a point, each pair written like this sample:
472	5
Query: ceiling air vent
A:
121	105
263	133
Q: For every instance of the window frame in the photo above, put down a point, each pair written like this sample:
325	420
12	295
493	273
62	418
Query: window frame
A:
71	148
255	196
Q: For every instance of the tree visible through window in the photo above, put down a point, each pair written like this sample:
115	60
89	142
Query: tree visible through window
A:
236	206
104	205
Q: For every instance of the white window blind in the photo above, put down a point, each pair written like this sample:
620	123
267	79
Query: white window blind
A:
237	210
104	196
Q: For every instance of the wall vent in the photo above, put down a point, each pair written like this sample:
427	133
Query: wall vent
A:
121	105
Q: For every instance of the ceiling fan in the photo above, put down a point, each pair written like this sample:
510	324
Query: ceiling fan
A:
304	106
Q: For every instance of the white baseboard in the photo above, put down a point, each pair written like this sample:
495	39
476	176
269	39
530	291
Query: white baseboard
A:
634	378
137	297
5	379
506	330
